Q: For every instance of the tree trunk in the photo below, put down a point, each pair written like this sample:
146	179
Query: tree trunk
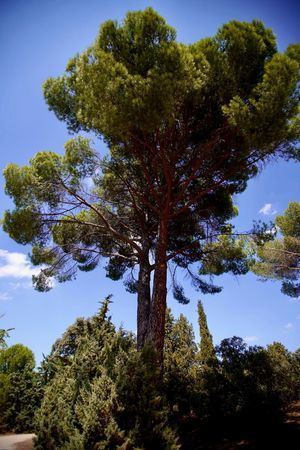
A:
159	295
143	303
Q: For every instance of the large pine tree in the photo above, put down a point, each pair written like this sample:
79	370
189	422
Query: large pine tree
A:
187	126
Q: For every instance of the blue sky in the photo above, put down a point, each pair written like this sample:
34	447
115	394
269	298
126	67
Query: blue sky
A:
36	40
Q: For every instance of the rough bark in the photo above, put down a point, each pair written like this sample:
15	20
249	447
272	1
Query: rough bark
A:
159	295
143	303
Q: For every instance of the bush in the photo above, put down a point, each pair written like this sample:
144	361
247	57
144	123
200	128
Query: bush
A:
100	393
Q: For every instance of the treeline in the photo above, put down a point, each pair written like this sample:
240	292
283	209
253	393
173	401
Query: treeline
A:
95	391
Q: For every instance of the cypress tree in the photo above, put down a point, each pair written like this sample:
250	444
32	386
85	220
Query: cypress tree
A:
207	353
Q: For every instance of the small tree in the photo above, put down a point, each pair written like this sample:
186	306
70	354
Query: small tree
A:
207	350
180	352
20	388
283	373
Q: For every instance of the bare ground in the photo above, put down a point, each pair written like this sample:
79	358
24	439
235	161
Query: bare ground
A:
16	441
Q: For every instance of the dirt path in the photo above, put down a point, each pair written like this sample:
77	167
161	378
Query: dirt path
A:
16	442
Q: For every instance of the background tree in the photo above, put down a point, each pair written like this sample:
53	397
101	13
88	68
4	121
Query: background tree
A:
209	377
20	388
285	372
207	352
247	389
180	352
15	358
187	126
279	259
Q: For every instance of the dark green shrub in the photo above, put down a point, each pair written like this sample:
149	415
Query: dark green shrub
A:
101	393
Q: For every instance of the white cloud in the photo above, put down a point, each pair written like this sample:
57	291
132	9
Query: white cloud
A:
16	265
268	210
4	296
250	339
289	326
